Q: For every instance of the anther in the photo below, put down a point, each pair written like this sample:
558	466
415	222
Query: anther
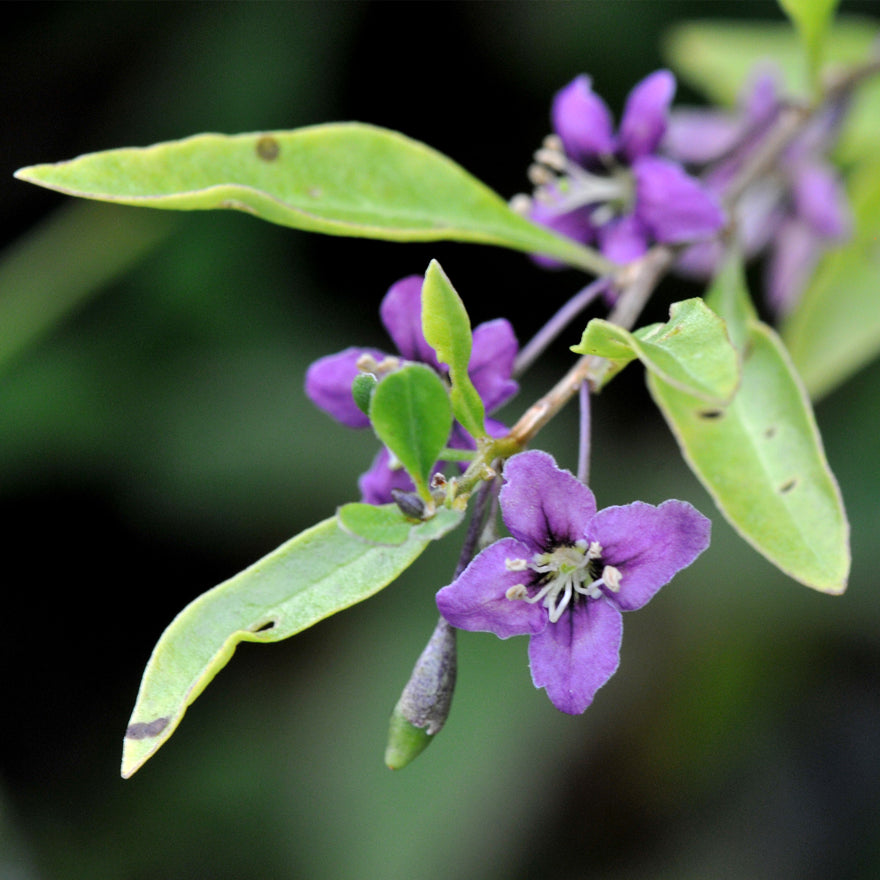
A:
612	577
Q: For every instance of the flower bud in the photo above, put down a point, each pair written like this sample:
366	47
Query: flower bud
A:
410	504
424	705
362	390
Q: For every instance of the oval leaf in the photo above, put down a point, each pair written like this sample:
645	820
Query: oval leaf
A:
447	330
317	573
412	416
761	459
691	352
386	524
339	179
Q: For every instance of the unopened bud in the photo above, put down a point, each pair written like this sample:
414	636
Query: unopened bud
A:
424	705
410	504
362	390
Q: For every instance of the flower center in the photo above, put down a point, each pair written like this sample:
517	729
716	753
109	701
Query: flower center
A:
565	573
564	185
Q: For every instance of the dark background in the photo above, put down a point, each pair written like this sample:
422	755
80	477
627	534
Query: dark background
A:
154	440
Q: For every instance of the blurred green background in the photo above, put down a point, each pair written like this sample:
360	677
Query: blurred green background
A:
155	439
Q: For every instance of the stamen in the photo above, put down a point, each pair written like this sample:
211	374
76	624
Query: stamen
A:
591	590
553	159
539	175
521	204
366	363
561	604
612	578
516	564
517	591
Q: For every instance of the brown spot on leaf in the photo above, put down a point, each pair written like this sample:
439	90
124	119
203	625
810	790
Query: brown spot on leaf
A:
146	729
711	414
770	433
788	486
268	148
263	627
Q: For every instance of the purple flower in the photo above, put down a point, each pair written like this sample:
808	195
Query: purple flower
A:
794	212
567	574
609	189
329	379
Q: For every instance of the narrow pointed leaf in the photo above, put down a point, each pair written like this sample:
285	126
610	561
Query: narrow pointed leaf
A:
339	179
447	330
812	19
718	57
319	572
835	328
691	352
761	456
412	416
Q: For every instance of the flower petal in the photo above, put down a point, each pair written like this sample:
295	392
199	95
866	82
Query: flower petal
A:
820	200
796	250
476	600
697	135
376	483
575	225
574	657
491	363
542	505
672	204
583	121
401	313
623	239
648	545
644	116
328	385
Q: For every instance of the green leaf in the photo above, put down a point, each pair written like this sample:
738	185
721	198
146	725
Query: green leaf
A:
386	524
761	456
812	19
319	572
718	57
447	330
690	352
835	328
339	179
69	258
412	416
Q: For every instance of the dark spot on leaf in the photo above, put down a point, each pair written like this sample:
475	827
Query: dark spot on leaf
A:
263	627
787	487
268	148
711	414
770	433
146	729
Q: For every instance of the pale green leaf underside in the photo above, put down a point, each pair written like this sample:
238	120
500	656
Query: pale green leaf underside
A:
835	329
313	575
762	461
386	524
340	179
447	330
691	351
